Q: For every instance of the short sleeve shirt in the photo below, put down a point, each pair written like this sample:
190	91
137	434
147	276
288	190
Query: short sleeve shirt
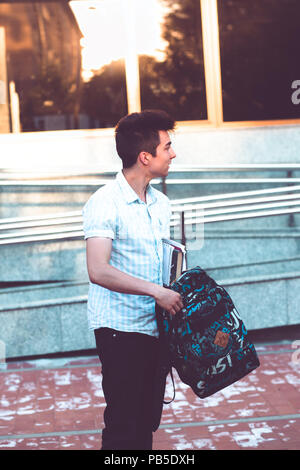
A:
136	228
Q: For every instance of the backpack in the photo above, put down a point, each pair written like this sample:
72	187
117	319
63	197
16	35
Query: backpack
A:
206	342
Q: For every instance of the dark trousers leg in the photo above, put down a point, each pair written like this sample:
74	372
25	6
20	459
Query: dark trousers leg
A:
133	388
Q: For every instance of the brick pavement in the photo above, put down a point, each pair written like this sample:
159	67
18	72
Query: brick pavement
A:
58	404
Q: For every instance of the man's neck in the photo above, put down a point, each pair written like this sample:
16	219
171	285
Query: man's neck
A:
137	181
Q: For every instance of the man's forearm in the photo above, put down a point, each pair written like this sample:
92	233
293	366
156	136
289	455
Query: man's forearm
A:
113	279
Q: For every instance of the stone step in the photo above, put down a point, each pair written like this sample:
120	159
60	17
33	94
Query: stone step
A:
18	295
266	301
279	266
242	248
65	259
45	327
48	260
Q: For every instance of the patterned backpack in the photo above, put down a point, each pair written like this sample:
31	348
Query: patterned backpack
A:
206	342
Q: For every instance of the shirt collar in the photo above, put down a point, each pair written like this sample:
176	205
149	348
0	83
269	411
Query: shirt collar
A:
129	193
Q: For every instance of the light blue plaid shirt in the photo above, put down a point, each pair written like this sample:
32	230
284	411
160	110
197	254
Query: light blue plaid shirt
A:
136	228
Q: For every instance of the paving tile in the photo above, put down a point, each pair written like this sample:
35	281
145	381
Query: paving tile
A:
90	441
67	396
44	422
49	443
69	442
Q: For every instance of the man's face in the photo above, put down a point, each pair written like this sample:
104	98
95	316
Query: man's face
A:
160	164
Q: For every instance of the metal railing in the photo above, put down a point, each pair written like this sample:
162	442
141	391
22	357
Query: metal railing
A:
65	177
206	209
238	205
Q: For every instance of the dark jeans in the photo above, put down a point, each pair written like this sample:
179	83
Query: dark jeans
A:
133	383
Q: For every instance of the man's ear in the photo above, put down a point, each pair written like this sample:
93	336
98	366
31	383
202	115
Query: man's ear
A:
144	158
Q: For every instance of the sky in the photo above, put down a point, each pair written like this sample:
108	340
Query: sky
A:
105	25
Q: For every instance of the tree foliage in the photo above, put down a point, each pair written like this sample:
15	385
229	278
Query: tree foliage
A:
104	96
179	81
48	92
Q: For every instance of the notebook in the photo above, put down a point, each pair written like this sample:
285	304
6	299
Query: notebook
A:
174	261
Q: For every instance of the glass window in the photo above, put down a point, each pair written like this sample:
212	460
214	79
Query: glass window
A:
259	58
59	85
172	73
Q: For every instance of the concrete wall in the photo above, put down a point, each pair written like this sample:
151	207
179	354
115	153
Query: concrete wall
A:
60	324
43	261
45	327
193	145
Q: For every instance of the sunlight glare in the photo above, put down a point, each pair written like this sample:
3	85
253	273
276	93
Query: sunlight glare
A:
103	27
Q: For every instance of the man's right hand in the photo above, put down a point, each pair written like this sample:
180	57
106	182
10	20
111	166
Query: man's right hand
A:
168	300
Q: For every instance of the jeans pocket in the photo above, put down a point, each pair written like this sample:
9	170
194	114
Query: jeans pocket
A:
105	339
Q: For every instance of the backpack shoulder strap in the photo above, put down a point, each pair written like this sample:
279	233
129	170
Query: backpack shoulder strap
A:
171	374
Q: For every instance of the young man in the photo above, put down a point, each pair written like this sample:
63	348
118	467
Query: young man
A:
124	223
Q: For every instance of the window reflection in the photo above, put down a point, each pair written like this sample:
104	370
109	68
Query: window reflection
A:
103	97
175	80
43	55
103	94
43	59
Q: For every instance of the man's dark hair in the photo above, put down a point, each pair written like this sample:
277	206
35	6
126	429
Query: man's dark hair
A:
139	132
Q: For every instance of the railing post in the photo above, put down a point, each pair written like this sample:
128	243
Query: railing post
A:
291	220
183	239
164	185
2	354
